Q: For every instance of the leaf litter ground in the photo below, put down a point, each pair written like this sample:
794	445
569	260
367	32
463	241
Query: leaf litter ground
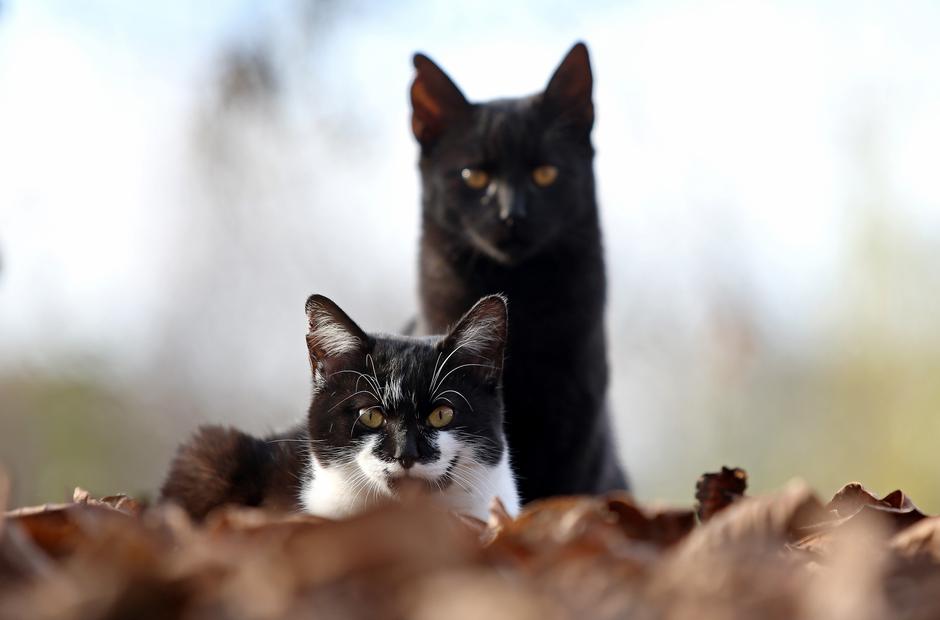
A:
781	555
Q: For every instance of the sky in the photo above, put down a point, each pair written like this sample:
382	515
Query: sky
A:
742	149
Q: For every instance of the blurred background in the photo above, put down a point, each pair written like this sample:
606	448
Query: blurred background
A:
176	177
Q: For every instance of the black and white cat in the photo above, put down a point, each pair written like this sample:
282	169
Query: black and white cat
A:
508	206
386	411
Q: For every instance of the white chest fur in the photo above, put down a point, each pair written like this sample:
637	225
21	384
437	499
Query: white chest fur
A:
342	489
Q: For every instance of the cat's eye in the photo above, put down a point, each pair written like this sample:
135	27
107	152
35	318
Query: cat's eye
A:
371	417
545	175
475	178
441	416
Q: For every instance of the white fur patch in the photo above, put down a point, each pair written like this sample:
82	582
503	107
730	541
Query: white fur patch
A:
330	336
341	490
479	484
481	336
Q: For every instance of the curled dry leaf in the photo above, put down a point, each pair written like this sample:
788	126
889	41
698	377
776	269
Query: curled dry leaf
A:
921	540
716	491
121	502
853	500
855	507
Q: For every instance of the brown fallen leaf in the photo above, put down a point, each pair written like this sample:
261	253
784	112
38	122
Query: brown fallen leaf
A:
59	529
584	525
914	580
716	491
122	502
765	520
921	540
853	497
474	594
734	565
601	558
19	558
662	527
854	506
848	576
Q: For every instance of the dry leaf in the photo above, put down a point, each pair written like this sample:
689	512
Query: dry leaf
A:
124	503
715	492
921	540
570	557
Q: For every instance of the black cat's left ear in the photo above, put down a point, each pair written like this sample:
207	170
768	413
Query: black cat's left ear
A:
569	90
435	101
479	337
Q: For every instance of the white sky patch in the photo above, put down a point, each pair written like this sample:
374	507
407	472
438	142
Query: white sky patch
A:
725	118
731	155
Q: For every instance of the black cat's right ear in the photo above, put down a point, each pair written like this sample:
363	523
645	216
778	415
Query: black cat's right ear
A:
569	91
480	335
435	101
331	333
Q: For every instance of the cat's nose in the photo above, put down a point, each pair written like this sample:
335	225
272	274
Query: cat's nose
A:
406	452
512	206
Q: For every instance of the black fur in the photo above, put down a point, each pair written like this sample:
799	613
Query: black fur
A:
226	466
539	245
219	465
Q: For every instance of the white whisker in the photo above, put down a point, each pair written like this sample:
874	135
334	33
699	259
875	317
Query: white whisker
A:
347	398
441	382
434	382
440	396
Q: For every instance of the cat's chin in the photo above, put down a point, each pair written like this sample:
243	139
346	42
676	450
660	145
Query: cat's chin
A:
404	486
509	253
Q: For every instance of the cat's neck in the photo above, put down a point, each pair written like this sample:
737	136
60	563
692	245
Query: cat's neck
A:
571	268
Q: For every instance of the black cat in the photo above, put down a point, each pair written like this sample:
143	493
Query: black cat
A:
508	206
386	411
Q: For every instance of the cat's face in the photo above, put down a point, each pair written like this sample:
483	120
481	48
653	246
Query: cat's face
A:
506	177
387	409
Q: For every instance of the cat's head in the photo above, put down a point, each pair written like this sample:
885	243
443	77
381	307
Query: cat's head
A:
506	177
387	408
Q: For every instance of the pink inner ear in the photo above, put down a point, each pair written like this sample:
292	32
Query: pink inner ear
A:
435	100
427	113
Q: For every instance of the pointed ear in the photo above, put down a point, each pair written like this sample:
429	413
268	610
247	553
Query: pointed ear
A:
568	93
435	101
331	333
480	336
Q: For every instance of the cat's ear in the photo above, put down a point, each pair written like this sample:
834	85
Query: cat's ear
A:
569	90
479	337
331	334
435	101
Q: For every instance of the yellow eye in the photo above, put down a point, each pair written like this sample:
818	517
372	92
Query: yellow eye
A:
545	175
475	178
371	417
441	417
